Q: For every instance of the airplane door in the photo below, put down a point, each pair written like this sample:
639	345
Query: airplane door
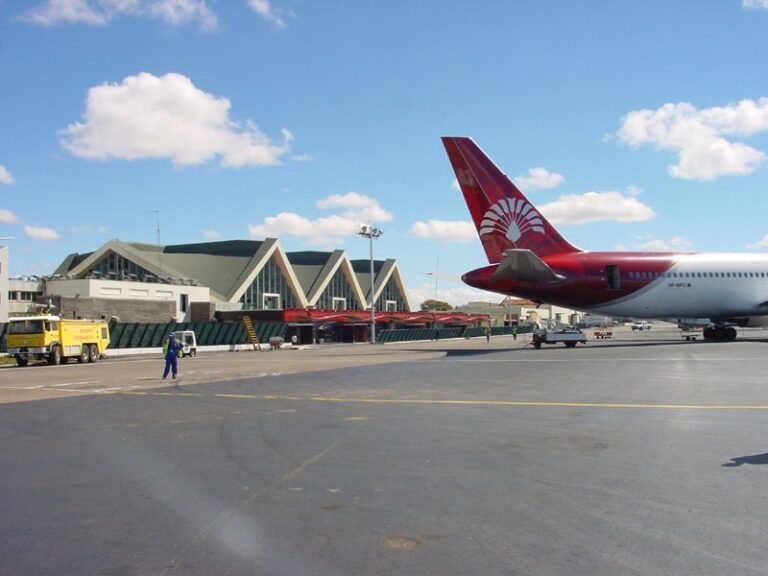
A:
613	277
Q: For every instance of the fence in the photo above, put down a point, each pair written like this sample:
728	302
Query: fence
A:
412	334
135	335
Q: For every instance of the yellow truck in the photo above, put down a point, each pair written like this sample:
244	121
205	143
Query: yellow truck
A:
55	339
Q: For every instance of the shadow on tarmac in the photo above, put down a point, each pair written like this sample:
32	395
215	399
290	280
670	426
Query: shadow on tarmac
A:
757	459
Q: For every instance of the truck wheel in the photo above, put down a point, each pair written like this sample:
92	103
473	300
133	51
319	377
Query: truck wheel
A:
93	353
54	358
192	352
536	342
22	361
83	357
570	344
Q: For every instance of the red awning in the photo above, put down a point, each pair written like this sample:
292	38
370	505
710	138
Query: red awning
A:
293	315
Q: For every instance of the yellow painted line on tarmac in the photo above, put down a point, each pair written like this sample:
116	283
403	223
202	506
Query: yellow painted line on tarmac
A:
509	403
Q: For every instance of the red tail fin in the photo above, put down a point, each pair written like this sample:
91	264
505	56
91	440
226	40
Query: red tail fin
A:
503	216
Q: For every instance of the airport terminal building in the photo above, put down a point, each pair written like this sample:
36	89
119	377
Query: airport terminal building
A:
136	282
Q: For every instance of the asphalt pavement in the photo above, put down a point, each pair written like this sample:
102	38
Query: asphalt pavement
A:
645	455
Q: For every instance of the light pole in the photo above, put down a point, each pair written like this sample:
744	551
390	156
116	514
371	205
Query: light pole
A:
371	232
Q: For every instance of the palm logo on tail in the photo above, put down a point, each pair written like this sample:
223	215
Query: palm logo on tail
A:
511	218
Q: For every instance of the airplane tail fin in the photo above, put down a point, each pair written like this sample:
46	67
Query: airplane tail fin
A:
503	216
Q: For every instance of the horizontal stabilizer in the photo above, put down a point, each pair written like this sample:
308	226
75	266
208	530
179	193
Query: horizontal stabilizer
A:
525	266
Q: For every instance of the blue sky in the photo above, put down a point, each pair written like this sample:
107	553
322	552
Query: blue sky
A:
631	125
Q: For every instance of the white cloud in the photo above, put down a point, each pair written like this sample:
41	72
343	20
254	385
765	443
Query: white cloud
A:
5	176
755	4
455	185
539	178
40	233
147	116
179	12
675	244
302	158
454	296
66	11
264	9
329	230
445	230
102	12
593	206
212	234
7	217
761	243
699	137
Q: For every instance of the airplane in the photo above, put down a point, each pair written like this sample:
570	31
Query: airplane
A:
529	258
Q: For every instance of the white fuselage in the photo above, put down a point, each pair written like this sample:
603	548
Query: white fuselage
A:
707	285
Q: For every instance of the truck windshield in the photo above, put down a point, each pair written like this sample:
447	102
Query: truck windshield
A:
25	327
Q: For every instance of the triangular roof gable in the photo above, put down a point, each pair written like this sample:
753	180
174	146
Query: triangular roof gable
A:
126	251
362	270
220	265
270	248
391	271
339	260
309	267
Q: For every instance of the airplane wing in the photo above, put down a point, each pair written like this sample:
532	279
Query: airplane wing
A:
524	265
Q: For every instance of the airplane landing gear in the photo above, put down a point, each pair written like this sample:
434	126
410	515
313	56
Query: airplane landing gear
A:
720	333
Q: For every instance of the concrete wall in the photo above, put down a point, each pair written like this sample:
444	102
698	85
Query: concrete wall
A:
135	292
145	311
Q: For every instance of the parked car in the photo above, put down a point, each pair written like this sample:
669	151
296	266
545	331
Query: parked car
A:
641	325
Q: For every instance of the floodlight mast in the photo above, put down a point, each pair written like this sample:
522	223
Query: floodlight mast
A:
371	232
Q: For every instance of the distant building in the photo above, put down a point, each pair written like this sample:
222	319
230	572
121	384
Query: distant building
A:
513	310
138	282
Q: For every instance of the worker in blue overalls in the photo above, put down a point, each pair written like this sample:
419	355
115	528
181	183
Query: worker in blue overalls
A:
171	349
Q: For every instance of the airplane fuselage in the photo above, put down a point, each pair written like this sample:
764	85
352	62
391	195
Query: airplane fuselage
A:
646	285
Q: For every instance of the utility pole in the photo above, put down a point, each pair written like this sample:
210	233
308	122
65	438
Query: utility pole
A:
371	232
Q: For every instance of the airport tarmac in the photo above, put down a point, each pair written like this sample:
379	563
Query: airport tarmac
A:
640	455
